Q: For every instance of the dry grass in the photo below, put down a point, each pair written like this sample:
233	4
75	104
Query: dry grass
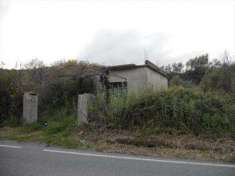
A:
119	141
163	145
19	134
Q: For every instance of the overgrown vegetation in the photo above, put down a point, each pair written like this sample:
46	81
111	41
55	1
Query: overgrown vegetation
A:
194	118
57	87
200	100
58	128
180	109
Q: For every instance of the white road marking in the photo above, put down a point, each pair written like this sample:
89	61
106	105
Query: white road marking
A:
141	159
10	146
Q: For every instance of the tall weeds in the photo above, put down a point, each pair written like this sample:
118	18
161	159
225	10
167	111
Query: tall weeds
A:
181	109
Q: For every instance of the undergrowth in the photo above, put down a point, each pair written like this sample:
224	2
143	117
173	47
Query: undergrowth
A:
58	128
177	109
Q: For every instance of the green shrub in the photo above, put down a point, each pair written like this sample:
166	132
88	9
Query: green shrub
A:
57	86
60	125
28	128
58	128
11	121
177	108
62	117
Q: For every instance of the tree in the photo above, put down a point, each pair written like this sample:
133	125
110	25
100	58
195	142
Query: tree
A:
220	76
34	64
215	63
196	68
167	68
227	73
2	64
177	67
176	81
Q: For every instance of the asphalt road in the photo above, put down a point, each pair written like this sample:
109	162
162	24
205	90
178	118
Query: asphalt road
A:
25	159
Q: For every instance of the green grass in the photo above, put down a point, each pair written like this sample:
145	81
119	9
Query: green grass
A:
176	109
64	132
55	129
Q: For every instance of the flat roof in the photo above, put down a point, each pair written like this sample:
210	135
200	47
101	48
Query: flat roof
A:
133	66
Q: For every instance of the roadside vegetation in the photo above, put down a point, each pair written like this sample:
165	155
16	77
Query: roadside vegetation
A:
194	118
177	109
56	129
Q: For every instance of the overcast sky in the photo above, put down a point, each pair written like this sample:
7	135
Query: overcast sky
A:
115	32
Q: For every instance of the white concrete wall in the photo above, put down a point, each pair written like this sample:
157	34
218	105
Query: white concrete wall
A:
140	79
136	78
156	81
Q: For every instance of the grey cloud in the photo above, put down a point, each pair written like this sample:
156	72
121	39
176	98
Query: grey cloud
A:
112	47
3	10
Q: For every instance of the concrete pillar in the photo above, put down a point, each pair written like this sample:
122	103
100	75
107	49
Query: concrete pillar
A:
30	107
99	87
84	101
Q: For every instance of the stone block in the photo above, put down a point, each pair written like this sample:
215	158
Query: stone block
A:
30	107
84	101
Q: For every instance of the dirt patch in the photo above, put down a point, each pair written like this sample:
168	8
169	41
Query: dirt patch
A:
165	145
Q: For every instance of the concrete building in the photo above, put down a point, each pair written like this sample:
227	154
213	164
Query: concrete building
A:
135	78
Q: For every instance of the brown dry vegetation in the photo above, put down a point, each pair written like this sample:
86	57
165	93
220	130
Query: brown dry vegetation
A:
135	143
163	145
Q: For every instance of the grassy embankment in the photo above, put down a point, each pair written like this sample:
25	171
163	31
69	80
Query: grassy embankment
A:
184	146
178	123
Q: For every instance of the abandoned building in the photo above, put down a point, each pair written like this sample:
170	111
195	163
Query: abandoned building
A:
135	78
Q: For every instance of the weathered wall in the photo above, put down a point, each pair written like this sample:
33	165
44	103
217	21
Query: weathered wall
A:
156	81
30	107
136	78
140	79
83	111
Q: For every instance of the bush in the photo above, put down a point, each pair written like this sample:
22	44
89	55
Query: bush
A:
57	87
58	128
182	109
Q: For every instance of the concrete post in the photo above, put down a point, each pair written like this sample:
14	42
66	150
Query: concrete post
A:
84	101
30	107
98	85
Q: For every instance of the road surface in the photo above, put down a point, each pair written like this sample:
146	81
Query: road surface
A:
28	159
